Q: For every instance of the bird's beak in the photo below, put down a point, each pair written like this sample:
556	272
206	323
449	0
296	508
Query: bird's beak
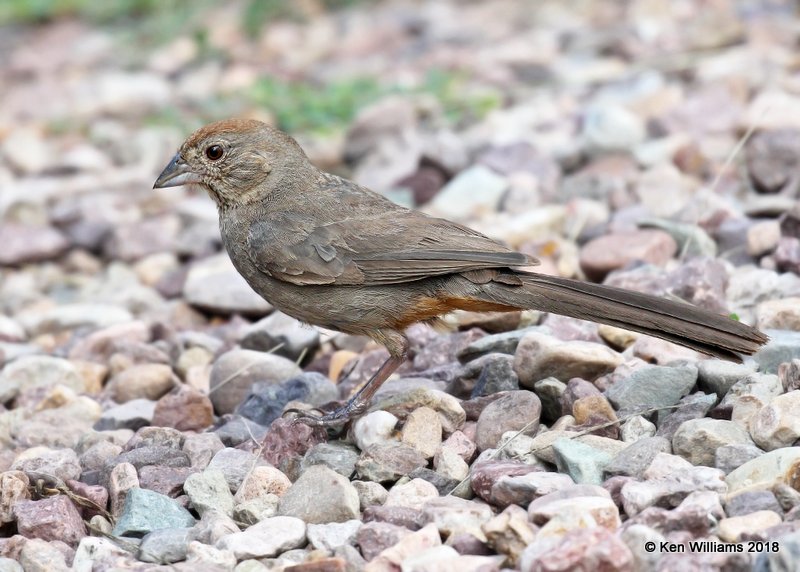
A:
175	174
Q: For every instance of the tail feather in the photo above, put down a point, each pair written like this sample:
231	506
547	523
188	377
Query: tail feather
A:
677	322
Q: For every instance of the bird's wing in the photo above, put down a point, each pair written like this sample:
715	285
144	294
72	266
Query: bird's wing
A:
370	249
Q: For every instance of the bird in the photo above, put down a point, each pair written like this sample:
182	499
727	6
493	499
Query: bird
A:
334	254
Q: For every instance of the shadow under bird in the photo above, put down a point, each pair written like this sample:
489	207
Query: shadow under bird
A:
332	253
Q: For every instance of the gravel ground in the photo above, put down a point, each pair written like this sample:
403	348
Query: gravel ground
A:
648	144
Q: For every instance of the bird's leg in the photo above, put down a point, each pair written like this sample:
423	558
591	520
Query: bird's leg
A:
357	404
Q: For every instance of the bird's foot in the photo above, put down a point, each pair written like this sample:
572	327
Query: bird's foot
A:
335	418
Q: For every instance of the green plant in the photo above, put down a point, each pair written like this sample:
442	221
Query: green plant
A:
304	106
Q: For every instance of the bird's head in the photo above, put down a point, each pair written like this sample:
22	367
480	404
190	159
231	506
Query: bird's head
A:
237	161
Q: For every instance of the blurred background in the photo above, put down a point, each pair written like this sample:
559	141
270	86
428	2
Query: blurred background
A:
545	124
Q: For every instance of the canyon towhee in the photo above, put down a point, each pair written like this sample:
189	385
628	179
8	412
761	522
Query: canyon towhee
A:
329	252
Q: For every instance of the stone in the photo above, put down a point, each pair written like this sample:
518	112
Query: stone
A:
718	376
165	480
72	316
186	410
40	556
282	335
449	463
412	494
262	481
474	191
29	372
165	546
636	537
146	511
213	284
451	413
596	411
209	491
256	509
776	425
331	536
145	381
267	400
266	539
392	557
496	375
94	550
59	463
609	127
204	557
388	462
730	457
212	527
560	515
514	411
583	463
771	158
781	314
23	243
540	356
237	431
370	493
131	241
53	518
611	252
691	239
286	443
763	237
423	431
636	428
238	370
750	502
13	489
96	498
522	489
201	448
453	515
782	347
667	481
121	479
337	456
235	465
101	344
697	440
502	343
377	427
588	548
133	414
766	471
653	386
634	459
319	496
731	529
509	533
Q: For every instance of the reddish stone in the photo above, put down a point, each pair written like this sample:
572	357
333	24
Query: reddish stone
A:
165	480
614	251
286	443
484	475
94	493
322	565
54	518
595	549
375	537
186	410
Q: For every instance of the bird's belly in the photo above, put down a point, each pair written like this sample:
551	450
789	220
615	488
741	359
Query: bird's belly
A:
350	309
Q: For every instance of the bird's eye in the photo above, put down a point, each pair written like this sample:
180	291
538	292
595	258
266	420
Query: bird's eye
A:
214	152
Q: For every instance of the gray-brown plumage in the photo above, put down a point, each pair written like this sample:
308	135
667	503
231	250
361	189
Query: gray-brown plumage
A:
334	254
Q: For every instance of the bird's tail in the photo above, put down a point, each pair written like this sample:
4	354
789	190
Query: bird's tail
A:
677	322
